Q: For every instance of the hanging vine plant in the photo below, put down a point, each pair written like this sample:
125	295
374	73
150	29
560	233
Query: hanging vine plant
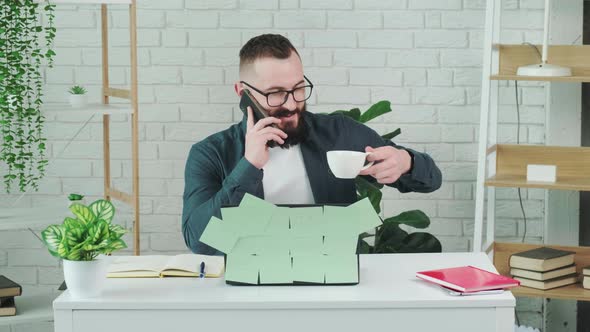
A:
25	45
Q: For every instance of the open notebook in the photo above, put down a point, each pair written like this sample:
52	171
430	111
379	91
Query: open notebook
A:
153	266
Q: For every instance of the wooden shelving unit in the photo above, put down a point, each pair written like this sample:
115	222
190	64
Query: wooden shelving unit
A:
502	252
505	165
513	56
510	168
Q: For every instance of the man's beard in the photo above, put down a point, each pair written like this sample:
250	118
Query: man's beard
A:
297	134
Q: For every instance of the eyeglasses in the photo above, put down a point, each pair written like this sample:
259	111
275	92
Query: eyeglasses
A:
278	98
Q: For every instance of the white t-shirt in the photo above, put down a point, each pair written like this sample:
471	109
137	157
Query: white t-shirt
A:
285	178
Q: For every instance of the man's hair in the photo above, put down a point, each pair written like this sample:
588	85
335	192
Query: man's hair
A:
266	46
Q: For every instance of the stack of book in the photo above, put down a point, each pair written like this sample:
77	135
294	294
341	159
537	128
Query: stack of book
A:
544	268
8	290
586	281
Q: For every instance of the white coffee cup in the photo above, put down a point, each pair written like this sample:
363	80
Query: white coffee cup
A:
347	164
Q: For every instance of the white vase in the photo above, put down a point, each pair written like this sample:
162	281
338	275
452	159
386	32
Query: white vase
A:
85	279
78	101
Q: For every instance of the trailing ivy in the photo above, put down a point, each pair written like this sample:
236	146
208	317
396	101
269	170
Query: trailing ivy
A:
25	45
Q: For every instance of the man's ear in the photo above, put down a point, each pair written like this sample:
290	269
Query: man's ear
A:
238	88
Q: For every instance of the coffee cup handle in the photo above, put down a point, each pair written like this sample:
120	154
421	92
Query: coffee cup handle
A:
369	164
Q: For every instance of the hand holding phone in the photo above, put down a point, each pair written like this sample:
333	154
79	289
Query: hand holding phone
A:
260	132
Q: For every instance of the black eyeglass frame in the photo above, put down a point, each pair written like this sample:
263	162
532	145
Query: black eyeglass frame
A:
289	92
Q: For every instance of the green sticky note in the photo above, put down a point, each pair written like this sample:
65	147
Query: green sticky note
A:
242	268
306	225
305	245
279	222
262	244
274	244
341	269
308	268
247	245
367	216
275	269
313	211
244	222
219	235
254	215
339	244
338	220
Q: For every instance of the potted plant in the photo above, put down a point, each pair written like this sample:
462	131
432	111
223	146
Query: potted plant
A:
75	198
79	241
78	96
389	237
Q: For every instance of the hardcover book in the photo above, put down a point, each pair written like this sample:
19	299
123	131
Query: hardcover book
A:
7	308
542	259
548	284
542	276
9	287
467	279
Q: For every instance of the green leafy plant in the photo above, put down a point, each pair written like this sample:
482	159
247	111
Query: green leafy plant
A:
87	235
75	197
390	237
21	122
77	90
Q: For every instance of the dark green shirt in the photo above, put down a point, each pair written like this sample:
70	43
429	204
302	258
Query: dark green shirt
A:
217	173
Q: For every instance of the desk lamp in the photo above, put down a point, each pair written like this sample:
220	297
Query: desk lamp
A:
544	68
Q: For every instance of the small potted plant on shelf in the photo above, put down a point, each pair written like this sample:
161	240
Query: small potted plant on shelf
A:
82	242
78	97
75	198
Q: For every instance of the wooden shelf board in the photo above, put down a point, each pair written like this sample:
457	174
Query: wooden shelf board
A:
571	163
89	109
570	292
511	57
503	251
511	181
540	78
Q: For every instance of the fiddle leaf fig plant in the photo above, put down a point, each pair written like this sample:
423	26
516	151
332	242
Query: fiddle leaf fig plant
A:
87	235
25	45
389	237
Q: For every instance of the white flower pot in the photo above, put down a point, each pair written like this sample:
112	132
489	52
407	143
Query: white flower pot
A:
85	279
78	101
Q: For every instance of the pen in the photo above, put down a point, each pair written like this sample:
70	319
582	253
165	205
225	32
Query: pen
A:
202	270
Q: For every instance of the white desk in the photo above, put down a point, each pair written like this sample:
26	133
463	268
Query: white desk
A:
388	298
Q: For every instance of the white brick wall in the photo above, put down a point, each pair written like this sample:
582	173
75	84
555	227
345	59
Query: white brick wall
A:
424	56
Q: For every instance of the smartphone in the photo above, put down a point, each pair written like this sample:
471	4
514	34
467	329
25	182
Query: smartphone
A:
259	112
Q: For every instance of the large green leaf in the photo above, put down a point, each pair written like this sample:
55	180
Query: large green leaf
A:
98	233
74	255
388	237
117	231
83	213
414	218
371	190
62	248
364	248
376	110
392	134
103	209
52	236
354	113
420	242
116	245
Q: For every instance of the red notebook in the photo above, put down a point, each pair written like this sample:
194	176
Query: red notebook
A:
467	279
